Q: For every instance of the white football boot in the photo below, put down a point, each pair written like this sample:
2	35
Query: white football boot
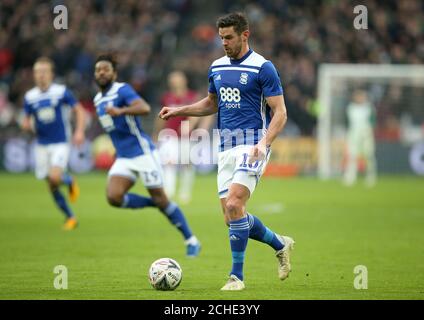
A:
283	257
233	284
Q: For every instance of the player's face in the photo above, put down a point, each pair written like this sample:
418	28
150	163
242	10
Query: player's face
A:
232	42
43	74
360	97
177	81
104	74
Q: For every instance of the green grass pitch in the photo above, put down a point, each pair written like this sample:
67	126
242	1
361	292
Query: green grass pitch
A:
108	256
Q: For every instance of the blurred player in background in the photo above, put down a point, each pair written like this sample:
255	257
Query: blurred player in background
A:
361	121
244	88
179	94
118	105
48	104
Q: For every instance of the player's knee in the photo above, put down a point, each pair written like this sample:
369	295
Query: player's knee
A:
114	199
161	201
54	181
233	207
227	220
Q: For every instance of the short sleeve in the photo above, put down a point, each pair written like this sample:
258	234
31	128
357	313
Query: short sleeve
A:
128	94
69	98
270	80
211	88
27	108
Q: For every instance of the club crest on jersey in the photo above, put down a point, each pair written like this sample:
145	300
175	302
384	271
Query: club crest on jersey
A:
243	78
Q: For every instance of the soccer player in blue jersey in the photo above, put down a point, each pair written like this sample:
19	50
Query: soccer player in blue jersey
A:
244	89
49	104
118	107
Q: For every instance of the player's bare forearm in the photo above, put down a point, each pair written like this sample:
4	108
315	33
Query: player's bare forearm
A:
138	107
79	118
79	134
278	120
159	125
26	123
204	107
277	123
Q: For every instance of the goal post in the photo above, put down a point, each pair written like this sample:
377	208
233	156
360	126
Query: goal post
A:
336	83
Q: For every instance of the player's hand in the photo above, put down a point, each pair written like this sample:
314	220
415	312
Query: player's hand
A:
26	124
114	111
78	138
167	113
258	152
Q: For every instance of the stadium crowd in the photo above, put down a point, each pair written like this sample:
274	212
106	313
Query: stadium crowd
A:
152	38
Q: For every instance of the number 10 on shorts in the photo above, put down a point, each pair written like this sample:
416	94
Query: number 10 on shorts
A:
245	164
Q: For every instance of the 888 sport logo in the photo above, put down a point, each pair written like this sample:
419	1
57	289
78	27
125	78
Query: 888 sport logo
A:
231	97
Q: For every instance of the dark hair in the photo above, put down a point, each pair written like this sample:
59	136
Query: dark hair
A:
45	60
109	57
236	19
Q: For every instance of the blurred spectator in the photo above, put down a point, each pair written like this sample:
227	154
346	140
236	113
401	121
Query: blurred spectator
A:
289	33
130	28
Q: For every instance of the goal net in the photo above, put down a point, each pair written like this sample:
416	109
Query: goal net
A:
396	93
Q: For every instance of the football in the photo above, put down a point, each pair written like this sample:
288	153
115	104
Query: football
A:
165	274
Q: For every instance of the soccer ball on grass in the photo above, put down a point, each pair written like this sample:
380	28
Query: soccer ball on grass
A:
165	274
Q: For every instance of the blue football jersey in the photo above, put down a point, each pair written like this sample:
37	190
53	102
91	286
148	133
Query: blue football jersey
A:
50	110
242	86
125	131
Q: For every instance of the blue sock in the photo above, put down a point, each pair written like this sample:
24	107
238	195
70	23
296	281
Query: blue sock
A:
62	204
66	179
239	235
263	234
134	201
176	217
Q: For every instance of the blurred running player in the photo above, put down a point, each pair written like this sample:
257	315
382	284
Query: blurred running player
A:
49	104
244	88
118	107
179	94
